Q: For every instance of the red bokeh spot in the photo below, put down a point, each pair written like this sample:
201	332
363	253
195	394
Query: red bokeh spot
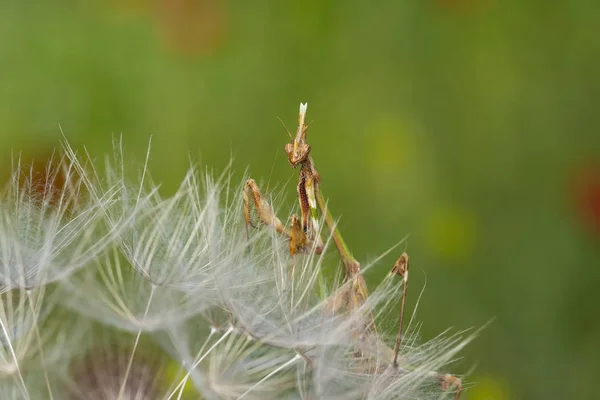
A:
587	195
48	178
43	176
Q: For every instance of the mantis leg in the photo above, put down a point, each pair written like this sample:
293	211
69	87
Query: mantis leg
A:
265	212
255	201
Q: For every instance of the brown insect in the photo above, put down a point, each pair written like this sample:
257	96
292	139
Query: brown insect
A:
304	236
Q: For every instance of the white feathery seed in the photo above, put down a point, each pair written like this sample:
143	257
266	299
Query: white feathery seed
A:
48	225
35	337
114	293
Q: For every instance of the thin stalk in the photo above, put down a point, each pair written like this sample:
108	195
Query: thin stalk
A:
401	269
15	359
359	291
183	382
39	340
137	340
291	361
352	266
400	321
197	362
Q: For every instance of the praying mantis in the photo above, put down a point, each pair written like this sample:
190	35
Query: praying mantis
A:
304	235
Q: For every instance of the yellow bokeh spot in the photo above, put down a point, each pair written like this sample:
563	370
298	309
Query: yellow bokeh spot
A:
175	373
488	388
450	232
391	143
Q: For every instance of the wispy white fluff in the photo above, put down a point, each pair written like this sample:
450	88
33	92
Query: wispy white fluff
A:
34	338
171	241
282	339
164	268
112	293
238	317
47	232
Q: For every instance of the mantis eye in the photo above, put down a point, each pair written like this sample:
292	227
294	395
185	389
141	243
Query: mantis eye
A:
288	148
307	148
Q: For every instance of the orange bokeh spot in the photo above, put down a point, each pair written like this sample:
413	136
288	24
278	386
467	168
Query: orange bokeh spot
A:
192	27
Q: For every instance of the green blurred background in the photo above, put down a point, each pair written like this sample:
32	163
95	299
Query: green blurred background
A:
470	125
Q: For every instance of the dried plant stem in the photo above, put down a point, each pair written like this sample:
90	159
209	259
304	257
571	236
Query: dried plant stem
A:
401	269
352	267
400	324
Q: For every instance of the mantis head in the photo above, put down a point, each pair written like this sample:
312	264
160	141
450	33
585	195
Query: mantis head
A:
298	150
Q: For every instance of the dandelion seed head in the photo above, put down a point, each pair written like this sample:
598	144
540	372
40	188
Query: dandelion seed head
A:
115	294
46	234
228	305
241	368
